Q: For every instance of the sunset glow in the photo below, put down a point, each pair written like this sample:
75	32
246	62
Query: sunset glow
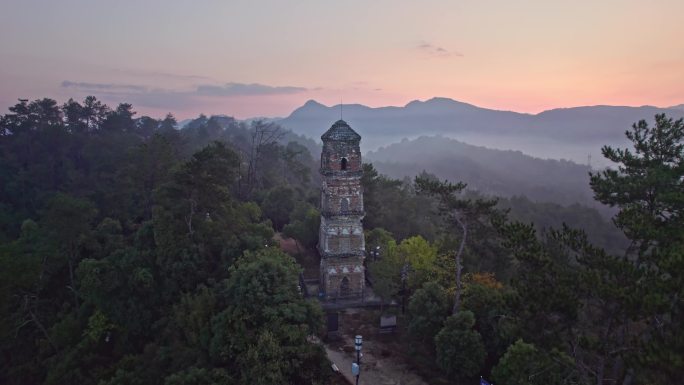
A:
265	58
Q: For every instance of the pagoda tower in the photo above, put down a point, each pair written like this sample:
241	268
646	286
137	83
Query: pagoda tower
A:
341	242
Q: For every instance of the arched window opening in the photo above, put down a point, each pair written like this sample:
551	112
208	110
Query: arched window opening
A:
345	288
344	205
344	164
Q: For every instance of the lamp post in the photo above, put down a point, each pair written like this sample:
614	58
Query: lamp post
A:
375	253
358	341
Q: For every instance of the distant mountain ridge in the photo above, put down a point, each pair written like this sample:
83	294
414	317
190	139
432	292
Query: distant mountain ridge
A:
492	172
570	133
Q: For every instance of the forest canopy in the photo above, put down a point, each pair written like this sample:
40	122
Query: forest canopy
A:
134	252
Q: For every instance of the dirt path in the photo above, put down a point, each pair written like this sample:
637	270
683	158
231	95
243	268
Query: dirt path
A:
380	363
374	370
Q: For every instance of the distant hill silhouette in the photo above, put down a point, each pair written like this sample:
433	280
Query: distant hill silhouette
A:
492	172
570	133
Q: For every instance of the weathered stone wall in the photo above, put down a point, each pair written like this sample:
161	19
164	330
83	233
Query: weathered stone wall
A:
335	270
341	236
336	190
333	152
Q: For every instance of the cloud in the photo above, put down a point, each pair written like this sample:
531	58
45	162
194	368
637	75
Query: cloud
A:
145	96
103	86
436	51
241	89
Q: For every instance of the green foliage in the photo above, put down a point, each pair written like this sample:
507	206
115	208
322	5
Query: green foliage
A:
394	206
648	188
117	237
647	185
546	216
278	204
494	319
420	256
547	289
570	295
467	225
525	364
460	351
386	270
377	237
134	253
199	376
428	308
415	255
304	225
264	328
98	327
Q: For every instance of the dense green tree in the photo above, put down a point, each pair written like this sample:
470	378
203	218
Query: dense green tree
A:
574	297
469	231
546	216
93	113
296	161
199	376
169	123
428	308
150	169
648	188
525	364
547	290
394	206
203	184
460	351
385	271
646	185
146	126
121	119
266	323
304	225
68	221
278	204
489	301
419	256
376	240
405	266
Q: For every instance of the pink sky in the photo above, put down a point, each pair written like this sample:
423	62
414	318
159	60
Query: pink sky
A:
265	58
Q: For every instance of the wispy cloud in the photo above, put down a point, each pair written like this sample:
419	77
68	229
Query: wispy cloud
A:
176	98
84	86
436	51
228	89
241	89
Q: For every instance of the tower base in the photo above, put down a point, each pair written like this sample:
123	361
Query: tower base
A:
342	277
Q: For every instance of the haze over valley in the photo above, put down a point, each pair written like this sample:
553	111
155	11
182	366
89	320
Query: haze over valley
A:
563	133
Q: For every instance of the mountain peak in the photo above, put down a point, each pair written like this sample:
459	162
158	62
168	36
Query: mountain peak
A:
312	103
439	103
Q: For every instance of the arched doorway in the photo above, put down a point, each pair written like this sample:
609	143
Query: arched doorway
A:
343	166
345	290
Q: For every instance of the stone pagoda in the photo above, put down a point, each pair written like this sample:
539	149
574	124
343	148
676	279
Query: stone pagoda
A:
341	243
